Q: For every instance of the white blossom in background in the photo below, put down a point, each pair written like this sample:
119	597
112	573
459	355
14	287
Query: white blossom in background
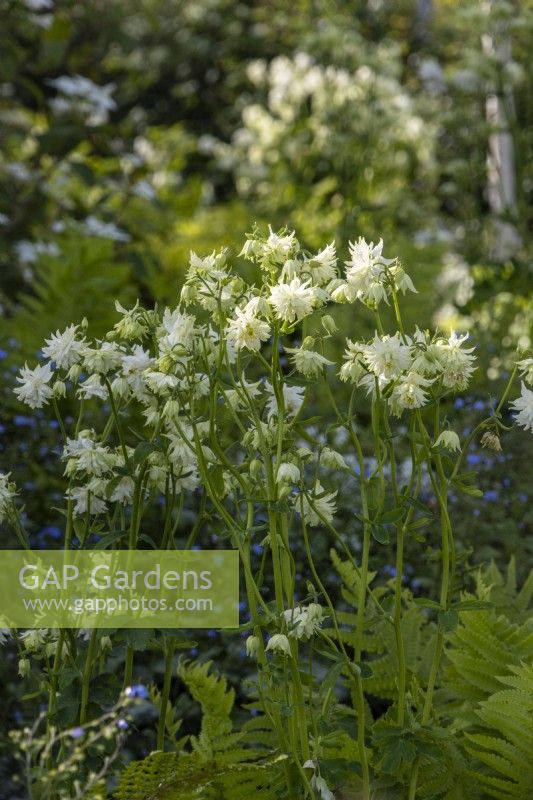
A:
93	226
78	94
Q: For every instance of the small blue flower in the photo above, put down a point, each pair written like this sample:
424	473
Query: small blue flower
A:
479	405
122	724
193	651
459	402
137	690
3	354
491	495
473	458
77	733
257	549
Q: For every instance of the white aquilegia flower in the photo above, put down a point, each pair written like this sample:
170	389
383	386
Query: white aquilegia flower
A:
7	494
491	441
247	330
87	456
304	621
526	370
387	356
319	506
122	492
278	248
85	501
92	387
354	367
458	363
410	392
278	643
332	459
449	440
103	358
252	646
307	361
131	326
64	348
293	397
366	271
323	267
34	389
288	473
292	301
524	406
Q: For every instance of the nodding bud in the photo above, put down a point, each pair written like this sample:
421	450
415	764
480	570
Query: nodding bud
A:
491	441
24	667
252	646
84	324
74	373
329	325
308	343
255	468
59	389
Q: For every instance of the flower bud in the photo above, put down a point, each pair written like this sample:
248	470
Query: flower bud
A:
449	440
329	324
188	294
308	343
24	667
74	373
255	468
279	644
59	389
106	643
252	646
491	441
288	473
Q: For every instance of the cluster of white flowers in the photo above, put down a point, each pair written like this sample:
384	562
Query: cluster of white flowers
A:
80	94
409	366
169	364
309	108
304	621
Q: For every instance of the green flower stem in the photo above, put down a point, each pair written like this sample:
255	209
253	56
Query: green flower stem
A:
116	417
89	659
169	647
354	674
